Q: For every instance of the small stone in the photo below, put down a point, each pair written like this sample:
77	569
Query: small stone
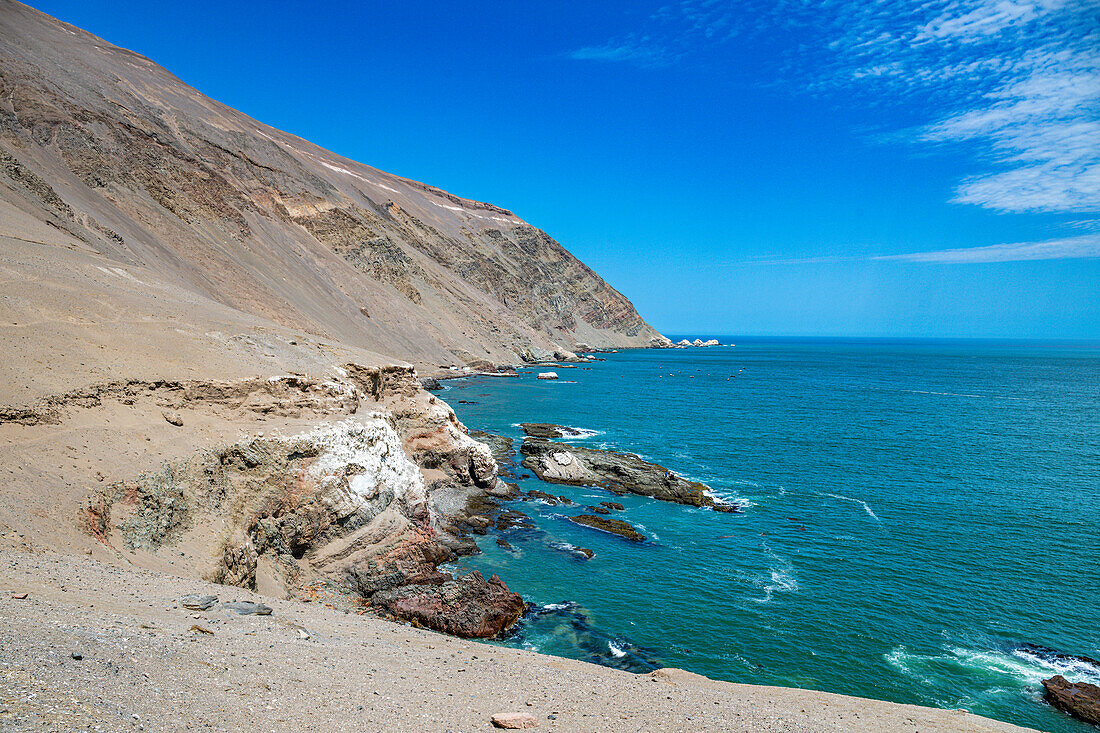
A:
77	656
514	721
19	596
303	634
173	418
200	629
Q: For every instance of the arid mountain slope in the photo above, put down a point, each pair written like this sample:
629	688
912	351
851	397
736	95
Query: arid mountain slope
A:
109	159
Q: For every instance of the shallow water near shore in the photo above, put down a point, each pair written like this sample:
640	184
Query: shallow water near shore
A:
916	513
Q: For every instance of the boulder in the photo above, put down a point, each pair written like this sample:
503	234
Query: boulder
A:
431	384
1079	699
196	602
470	606
247	608
548	375
613	526
612	505
598	509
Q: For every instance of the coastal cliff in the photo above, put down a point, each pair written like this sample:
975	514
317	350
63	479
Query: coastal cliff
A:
108	156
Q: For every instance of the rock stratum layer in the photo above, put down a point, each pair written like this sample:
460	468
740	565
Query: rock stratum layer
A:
115	173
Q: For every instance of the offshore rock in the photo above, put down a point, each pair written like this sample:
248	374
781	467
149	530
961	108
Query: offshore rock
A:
470	607
614	526
620	473
1079	699
545	430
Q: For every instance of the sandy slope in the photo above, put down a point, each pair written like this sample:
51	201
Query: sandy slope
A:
142	666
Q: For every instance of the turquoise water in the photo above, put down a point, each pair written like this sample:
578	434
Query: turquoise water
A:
915	514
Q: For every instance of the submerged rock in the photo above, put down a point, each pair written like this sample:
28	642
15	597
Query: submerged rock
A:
470	606
1079	699
620	473
614	526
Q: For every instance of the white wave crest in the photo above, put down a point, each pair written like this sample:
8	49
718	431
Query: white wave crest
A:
866	507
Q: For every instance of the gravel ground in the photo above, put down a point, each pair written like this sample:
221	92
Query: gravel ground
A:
99	647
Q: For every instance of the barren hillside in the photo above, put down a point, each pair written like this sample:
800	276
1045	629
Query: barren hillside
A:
127	197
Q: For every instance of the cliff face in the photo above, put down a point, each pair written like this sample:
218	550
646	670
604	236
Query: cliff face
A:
105	154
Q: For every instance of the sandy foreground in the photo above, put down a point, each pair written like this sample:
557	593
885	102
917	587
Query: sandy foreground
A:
309	667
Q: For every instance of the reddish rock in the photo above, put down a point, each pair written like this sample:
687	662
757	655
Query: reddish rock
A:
514	721
1079	699
470	606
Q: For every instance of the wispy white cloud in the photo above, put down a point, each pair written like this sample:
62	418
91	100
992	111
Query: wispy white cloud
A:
1070	248
1015	83
1067	248
669	33
641	51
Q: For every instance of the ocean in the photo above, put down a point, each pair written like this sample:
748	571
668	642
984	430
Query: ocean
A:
920	518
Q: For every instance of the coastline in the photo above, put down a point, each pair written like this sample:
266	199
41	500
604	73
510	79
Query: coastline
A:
307	666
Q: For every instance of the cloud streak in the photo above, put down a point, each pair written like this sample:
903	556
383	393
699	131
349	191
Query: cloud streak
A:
1067	248
1014	83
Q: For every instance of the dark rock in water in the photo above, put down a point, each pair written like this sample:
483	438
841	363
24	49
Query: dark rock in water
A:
621	473
547	430
197	602
598	509
470	606
510	518
614	526
585	551
431	384
501	542
569	626
543	496
1079	699
726	508
1047	654
247	608
612	505
565	500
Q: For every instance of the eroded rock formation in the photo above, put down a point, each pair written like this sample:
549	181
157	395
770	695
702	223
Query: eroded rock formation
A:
374	500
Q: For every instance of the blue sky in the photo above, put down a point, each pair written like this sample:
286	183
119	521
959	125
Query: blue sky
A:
769	167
